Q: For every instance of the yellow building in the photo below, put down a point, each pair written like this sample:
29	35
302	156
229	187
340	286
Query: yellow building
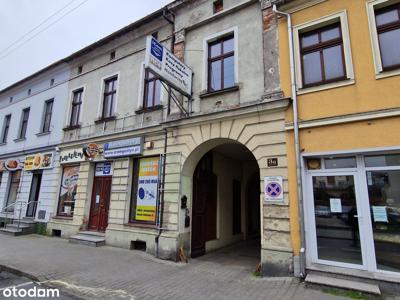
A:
346	66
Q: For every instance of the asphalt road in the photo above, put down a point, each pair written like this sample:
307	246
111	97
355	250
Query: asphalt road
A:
13	287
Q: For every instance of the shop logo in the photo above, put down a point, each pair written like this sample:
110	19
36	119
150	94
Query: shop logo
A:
142	193
12	164
91	150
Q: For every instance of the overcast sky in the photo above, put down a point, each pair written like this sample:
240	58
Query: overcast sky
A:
85	22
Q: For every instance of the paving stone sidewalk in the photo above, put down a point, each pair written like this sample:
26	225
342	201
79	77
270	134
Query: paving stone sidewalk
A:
113	273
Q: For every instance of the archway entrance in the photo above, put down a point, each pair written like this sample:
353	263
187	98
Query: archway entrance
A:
226	202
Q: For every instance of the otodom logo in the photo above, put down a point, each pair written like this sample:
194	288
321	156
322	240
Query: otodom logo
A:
34	293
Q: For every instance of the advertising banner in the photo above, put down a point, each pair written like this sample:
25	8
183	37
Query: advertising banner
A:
128	147
38	161
72	156
168	67
12	164
146	201
68	189
103	169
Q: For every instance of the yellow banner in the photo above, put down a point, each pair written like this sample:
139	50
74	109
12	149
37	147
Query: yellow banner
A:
146	213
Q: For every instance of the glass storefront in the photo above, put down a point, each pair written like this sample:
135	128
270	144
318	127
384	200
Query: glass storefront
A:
355	203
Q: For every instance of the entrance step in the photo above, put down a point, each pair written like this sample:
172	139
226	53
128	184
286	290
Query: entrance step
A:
89	238
19	227
329	280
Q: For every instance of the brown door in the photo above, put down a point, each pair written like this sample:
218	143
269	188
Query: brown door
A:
204	224
100	203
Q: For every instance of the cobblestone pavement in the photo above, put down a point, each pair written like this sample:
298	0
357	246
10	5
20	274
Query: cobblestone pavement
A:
113	273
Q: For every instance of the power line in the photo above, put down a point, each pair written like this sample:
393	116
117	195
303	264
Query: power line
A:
45	28
36	27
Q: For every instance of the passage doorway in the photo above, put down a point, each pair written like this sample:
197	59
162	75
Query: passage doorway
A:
226	204
34	194
98	220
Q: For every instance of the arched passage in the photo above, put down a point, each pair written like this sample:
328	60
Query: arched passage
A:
221	178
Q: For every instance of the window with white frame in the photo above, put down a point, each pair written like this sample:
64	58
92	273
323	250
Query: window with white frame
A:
384	21
76	107
109	97
323	52
48	111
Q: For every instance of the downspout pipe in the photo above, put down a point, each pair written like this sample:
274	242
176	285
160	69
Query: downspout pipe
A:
296	138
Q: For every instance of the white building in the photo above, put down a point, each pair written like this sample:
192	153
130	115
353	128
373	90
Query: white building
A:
31	120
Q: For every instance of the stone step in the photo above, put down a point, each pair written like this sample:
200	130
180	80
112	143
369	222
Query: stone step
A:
93	233
343	283
11	231
88	239
25	221
22	227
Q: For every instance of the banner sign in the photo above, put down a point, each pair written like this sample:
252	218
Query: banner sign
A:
72	156
103	169
128	147
273	188
12	164
68	189
168	67
38	161
146	201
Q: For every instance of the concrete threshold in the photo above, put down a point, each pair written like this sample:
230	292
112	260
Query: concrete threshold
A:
344	284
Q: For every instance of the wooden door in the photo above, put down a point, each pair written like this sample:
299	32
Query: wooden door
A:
204	213
100	203
34	195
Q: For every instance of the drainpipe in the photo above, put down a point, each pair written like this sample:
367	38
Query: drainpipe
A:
296	139
161	206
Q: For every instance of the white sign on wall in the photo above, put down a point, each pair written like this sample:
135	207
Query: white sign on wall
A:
72	156
273	188
104	169
168	67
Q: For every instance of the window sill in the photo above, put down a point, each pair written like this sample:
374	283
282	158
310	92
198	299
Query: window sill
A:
141	225
102	120
71	127
327	86
19	140
62	218
219	92
43	133
148	109
386	74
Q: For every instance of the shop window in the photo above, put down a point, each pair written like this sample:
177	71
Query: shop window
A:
69	183
76	107
48	110
340	162
388	28
6	128
109	97
152	90
389	160
144	199
24	123
221	64
15	178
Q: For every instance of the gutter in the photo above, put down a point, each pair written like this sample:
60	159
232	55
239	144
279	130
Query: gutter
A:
302	271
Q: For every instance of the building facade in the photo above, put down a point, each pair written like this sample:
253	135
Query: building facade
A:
150	169
346	60
31	117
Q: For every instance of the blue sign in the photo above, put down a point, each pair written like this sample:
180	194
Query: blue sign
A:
157	50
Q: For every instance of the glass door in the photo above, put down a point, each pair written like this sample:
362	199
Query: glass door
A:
335	222
383	183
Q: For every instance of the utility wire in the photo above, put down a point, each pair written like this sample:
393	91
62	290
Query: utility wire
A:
45	28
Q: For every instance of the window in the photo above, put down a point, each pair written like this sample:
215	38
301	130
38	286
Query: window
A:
52	82
11	99
152	90
29	92
6	128
110	91
15	178
69	184
76	107
80	69
144	199
322	56
48	109
388	28
221	64
24	123
218	6
112	55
